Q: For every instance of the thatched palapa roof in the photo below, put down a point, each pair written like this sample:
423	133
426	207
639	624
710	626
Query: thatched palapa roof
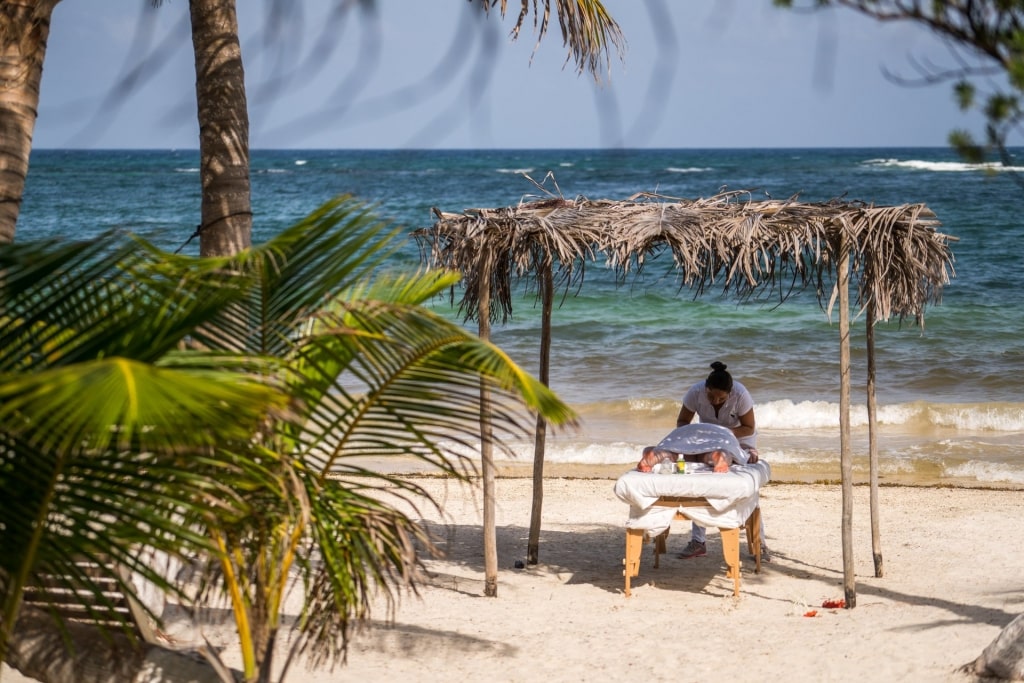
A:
729	241
893	255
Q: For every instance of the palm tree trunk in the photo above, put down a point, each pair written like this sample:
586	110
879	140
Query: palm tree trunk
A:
226	226
24	30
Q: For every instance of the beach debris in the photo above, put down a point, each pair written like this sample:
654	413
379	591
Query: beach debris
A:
834	604
811	613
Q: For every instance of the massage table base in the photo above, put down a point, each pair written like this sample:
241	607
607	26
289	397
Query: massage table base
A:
730	542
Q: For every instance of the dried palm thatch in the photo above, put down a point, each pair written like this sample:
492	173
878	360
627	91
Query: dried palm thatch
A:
747	248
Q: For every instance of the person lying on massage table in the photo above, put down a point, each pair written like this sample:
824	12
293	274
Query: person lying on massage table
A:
718	440
719	461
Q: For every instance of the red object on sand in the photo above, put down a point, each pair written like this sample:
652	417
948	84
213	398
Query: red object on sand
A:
812	613
834	604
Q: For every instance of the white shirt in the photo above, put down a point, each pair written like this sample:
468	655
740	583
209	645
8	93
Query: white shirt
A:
737	403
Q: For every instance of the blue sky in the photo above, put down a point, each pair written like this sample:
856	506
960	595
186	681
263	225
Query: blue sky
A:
729	73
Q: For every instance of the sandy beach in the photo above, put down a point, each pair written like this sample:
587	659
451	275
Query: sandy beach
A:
952	581
952	560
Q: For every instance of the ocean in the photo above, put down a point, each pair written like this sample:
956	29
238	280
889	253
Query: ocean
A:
951	404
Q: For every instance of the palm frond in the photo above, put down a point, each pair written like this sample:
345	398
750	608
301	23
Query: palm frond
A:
388	379
371	374
364	548
588	30
219	406
121	403
111	296
102	450
296	273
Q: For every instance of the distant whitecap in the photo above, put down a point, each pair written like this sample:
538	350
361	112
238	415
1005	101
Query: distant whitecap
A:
940	166
515	170
300	162
689	169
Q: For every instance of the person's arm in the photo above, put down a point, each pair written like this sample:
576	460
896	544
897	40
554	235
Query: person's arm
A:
686	416
746	428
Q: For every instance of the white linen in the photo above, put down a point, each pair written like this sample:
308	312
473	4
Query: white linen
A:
731	496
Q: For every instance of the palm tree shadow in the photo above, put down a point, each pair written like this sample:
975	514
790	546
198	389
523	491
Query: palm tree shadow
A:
593	554
590	554
376	635
395	639
874	587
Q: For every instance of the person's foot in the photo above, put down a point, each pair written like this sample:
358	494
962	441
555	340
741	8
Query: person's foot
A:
720	462
694	549
766	555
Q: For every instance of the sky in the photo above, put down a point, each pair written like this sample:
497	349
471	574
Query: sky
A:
436	74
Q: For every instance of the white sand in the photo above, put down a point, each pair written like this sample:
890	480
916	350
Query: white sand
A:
952	560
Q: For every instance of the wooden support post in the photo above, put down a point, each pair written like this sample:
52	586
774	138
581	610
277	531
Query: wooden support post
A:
845	456
876	540
544	375
487	443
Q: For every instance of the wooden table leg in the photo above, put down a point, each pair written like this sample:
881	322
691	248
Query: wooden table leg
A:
660	547
731	551
634	546
753	526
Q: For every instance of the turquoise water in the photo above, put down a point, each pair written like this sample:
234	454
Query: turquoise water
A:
950	396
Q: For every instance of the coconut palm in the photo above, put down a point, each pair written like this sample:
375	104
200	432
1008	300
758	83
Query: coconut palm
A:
271	498
587	30
24	29
226	210
102	421
373	375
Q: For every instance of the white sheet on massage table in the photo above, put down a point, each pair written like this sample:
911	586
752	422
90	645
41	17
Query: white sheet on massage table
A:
731	496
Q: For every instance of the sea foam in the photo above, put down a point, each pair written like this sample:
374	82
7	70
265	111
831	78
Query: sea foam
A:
1002	417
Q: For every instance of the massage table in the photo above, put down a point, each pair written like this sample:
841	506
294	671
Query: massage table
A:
727	501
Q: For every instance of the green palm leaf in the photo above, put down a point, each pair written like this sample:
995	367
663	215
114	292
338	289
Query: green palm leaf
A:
143	405
294	275
101	449
121	403
362	548
372	375
112	296
406	384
